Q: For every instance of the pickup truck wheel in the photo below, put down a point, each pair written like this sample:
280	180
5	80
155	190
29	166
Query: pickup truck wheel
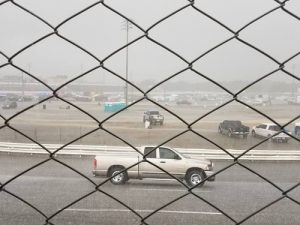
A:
194	177
120	178
270	139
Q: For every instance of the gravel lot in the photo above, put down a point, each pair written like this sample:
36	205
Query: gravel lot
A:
56	124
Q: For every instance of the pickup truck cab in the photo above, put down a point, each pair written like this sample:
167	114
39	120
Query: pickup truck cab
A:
269	129
192	170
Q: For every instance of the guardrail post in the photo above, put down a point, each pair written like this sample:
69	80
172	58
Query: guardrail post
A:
80	133
35	134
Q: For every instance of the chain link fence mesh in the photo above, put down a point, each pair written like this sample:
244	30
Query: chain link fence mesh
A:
235	35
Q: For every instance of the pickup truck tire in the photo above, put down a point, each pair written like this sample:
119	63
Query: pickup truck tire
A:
120	178
194	177
270	139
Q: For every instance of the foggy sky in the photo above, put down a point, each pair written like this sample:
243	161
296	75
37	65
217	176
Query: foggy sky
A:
188	33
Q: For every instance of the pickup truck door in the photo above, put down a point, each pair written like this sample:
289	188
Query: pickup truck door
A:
264	131
147	170
171	162
260	130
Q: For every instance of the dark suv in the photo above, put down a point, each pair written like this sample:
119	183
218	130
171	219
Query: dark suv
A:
154	117
10	105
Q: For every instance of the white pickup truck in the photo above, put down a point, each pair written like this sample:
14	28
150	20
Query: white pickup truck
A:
192	170
269	129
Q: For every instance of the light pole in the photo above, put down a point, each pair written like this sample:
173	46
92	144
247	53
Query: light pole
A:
23	81
127	25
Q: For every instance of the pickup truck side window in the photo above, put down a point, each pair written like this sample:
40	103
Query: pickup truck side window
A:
274	128
152	154
262	126
165	153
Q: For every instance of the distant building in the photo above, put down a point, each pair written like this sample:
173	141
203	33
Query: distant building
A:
58	79
11	78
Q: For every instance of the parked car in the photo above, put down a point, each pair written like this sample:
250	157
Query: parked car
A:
233	127
154	117
13	97
9	105
26	98
269	129
295	100
192	170
183	102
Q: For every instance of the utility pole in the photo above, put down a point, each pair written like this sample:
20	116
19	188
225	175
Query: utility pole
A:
22	86
128	26
294	89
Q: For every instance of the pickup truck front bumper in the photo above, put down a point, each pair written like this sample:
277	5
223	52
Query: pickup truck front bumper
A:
280	139
240	132
156	120
210	173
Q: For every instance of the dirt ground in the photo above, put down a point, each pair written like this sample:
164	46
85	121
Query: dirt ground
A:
59	125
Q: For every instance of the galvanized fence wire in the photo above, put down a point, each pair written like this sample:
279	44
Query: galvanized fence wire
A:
281	5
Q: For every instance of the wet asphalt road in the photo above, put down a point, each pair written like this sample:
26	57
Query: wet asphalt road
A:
236	192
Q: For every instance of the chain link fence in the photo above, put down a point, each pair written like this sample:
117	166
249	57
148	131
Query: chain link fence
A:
190	191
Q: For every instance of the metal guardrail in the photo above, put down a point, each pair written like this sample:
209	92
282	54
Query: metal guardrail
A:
95	149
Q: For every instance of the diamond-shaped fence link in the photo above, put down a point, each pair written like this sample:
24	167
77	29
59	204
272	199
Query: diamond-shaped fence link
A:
146	34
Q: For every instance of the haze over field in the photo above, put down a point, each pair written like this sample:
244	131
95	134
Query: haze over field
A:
188	33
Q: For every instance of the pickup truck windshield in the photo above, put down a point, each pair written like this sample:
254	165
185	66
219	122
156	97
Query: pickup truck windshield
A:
154	113
234	123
